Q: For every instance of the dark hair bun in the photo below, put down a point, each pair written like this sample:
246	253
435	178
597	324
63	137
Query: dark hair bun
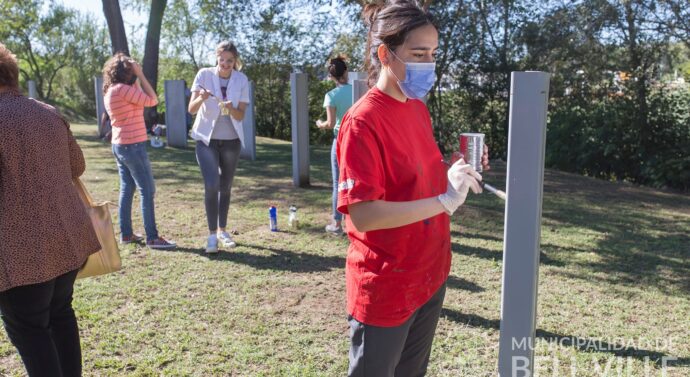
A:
337	67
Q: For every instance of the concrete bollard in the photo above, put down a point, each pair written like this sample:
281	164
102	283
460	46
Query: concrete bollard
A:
33	93
175	113
299	88
100	106
248	151
529	93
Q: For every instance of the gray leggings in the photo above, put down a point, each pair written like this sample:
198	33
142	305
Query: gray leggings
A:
218	162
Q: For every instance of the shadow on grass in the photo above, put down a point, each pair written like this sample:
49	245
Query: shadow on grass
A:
487	254
478	236
636	245
463	284
641	237
579	343
643	229
277	259
641	234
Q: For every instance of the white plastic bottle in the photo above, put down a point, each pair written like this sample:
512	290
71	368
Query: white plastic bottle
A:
293	222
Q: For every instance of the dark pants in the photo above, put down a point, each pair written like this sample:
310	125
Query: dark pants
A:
40	322
400	351
218	162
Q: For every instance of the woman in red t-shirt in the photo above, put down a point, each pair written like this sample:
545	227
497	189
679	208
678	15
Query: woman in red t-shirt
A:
399	195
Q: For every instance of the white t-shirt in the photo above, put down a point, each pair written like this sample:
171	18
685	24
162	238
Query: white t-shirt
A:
224	129
209	113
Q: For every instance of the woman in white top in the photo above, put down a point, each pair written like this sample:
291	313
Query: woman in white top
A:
220	96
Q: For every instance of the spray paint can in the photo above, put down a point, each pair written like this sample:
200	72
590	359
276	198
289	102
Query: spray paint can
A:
472	147
273	218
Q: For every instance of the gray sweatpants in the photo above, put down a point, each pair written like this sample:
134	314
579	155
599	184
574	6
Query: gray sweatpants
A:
218	162
400	351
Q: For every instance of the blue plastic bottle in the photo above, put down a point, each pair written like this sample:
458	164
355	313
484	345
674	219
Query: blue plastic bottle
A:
273	218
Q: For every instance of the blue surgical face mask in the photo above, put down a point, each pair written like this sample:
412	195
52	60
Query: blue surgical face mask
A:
419	78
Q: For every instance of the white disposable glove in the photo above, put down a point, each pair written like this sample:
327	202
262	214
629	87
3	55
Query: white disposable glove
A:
461	178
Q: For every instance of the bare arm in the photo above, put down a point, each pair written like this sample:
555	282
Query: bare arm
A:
197	99
330	118
380	214
237	113
145	85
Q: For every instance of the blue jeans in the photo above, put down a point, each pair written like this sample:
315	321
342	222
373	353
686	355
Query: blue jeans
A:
135	171
337	216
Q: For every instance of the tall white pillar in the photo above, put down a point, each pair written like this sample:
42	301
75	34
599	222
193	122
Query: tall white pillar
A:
175	113
248	151
359	89
100	106
352	76
529	93
33	93
299	88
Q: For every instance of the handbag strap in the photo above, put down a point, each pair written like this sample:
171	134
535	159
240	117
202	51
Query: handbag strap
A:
83	192
86	196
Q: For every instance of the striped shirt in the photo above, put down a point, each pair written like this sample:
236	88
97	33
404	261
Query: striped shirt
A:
125	105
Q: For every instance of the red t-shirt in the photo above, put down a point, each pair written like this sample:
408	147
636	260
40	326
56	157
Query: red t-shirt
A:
386	151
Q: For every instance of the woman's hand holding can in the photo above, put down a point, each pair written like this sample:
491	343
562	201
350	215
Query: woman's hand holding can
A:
461	178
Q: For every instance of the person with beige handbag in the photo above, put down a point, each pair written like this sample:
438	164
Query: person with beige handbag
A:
46	234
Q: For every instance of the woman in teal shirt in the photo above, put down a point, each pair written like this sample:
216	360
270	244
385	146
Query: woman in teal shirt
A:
337	102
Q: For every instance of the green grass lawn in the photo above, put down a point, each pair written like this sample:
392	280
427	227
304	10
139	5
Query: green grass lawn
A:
614	268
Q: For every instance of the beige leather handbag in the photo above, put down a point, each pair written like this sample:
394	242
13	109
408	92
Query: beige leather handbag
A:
108	258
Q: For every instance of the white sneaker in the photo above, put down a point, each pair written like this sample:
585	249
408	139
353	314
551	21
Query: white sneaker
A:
212	244
334	229
226	240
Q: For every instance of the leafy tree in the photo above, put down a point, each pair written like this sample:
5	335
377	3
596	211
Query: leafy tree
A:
186	33
39	41
673	17
76	85
269	67
424	3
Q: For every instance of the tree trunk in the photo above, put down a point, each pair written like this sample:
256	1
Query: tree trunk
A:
639	71
151	52
116	27
507	69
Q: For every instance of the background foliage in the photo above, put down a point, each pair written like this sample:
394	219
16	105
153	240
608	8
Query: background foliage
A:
618	103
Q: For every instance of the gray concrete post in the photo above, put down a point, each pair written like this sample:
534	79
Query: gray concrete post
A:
175	113
100	106
33	93
529	92
352	76
359	89
299	88
358	80
248	151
